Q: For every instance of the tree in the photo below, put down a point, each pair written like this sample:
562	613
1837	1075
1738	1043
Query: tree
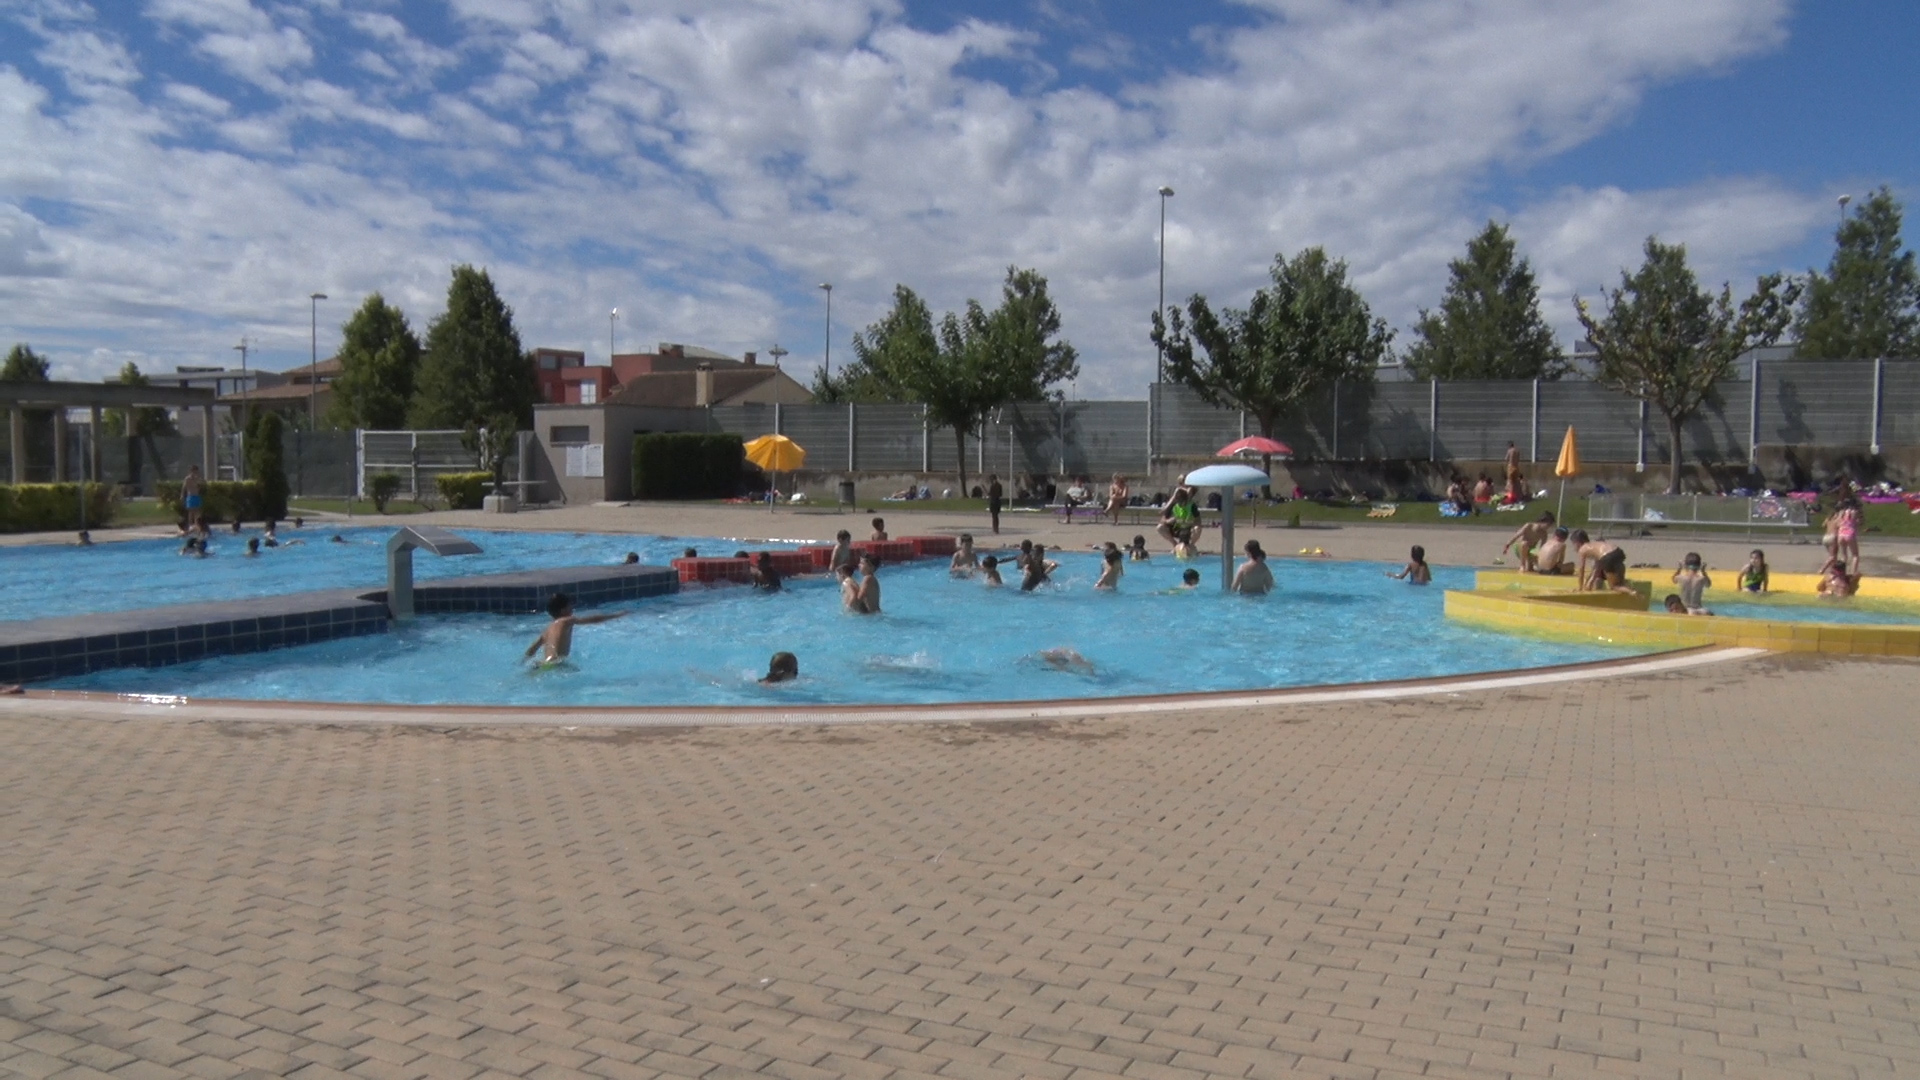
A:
978	360
24	365
1489	324
379	359
474	369
148	420
1666	342
266	462
1292	341
1867	304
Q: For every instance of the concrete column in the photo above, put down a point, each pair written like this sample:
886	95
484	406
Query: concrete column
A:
206	443
59	445
17	444
93	446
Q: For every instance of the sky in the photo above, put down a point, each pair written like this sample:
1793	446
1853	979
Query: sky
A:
180	175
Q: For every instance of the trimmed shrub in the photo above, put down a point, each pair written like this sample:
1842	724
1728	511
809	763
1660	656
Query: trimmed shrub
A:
381	488
221	500
266	463
685	465
463	490
50	507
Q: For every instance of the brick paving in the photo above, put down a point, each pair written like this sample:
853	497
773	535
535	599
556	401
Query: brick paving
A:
1703	873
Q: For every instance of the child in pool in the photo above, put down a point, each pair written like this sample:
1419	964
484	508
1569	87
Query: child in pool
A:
1189	582
869	591
1675	605
557	638
849	589
253	547
842	552
1065	659
1138	552
879	529
1416	572
990	572
1026	555
1110	573
1693	581
1753	576
1038	567
784	667
964	560
1254	578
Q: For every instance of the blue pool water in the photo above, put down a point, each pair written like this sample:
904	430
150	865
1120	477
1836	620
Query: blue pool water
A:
941	639
42	581
1813	610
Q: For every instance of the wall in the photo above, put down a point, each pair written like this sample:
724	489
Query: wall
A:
612	427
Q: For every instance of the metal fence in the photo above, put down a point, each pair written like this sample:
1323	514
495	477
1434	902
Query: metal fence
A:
416	457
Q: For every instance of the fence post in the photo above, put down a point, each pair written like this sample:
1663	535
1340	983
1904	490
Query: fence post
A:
1243	423
1879	380
1640	455
1336	420
926	446
1533	453
1152	401
850	426
1060	434
413	463
359	465
1433	419
1753	415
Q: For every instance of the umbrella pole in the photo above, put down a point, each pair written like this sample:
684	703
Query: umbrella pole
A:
1561	517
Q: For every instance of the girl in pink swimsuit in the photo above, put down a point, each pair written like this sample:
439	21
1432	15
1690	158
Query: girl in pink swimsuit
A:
1847	537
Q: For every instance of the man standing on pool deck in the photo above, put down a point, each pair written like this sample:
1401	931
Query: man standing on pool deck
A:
191	496
558	636
996	497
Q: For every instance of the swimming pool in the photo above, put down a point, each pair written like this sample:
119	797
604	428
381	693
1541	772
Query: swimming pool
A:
1853	611
42	581
941	640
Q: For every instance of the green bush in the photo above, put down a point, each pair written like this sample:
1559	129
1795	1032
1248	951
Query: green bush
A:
220	500
683	465
381	488
462	490
48	507
266	463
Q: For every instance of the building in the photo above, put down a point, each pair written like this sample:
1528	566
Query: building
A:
296	394
565	378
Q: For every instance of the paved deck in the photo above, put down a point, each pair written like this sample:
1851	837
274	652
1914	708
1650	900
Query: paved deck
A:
1703	873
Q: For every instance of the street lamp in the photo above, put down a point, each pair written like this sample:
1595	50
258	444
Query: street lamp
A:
1160	359
612	317
827	365
1843	201
246	402
776	352
313	370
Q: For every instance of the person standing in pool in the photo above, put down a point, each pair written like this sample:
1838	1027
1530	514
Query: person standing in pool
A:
557	638
1416	572
762	573
1111	571
842	552
1038	568
990	572
964	561
1254	578
869	594
849	588
192	494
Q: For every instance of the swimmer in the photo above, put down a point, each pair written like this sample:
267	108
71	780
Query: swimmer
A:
849	589
1189	579
632	558
690	553
763	574
739	554
253	547
879	529
1693	581
299	522
1110	573
1416	572
1253	578
1675	605
86	539
272	538
1026	555
337	539
869	594
236	526
557	638
784	667
842	552
1138	552
1038	567
1064	659
964	560
990	572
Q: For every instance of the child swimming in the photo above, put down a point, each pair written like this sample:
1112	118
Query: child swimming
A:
1110	572
784	667
1038	567
964	560
990	572
1416	572
557	638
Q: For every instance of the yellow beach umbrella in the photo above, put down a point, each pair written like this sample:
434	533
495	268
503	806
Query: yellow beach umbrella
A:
776	454
1568	465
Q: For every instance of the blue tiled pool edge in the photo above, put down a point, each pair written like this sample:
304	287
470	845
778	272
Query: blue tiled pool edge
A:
152	637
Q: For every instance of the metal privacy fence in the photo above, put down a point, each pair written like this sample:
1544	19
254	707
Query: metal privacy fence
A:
1870	405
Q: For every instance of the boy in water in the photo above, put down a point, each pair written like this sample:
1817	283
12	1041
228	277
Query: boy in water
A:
1693	581
990	571
879	529
1038	567
1675	605
557	638
842	552
869	592
964	560
1189	579
86	539
1416	572
1531	535
1065	659
1110	573
762	573
1021	560
1253	578
253	547
1138	552
784	667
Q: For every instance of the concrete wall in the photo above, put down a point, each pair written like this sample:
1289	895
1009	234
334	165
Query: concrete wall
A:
610	426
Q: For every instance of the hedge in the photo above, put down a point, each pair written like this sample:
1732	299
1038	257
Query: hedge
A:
680	465
221	500
463	490
50	507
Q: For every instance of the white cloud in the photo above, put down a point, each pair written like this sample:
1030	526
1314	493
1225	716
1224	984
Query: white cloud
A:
701	163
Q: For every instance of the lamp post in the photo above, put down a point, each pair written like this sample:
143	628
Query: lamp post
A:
1160	357
1843	201
827	362
612	318
313	370
776	352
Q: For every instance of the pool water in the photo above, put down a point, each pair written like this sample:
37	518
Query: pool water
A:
941	640
1853	610
42	581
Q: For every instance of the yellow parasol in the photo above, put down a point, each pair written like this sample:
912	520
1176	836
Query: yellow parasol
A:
776	454
1568	465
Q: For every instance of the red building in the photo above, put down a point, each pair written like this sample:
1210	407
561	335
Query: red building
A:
565	378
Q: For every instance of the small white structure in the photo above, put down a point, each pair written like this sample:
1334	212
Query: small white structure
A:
1226	478
400	562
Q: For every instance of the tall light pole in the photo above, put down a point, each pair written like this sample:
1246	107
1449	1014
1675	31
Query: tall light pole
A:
246	401
612	318
1160	358
776	352
1843	201
313	370
827	365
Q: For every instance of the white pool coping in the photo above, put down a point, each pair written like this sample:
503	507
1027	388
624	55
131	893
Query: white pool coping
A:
87	705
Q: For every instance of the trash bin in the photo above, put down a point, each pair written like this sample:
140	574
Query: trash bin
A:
846	493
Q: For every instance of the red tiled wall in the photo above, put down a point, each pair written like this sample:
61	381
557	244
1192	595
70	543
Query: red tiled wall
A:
923	546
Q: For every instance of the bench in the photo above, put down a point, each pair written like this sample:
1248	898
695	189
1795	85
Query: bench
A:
1698	511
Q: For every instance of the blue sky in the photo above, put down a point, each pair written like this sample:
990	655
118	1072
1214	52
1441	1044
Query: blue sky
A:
185	172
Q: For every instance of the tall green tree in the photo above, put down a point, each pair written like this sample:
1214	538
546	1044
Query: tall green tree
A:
1489	324
1666	341
379	360
1867	304
267	463
976	362
1293	340
474	369
148	421
24	365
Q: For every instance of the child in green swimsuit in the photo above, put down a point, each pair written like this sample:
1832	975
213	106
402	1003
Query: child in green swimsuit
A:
1753	576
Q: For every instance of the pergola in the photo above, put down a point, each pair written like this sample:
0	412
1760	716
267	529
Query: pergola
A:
18	397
